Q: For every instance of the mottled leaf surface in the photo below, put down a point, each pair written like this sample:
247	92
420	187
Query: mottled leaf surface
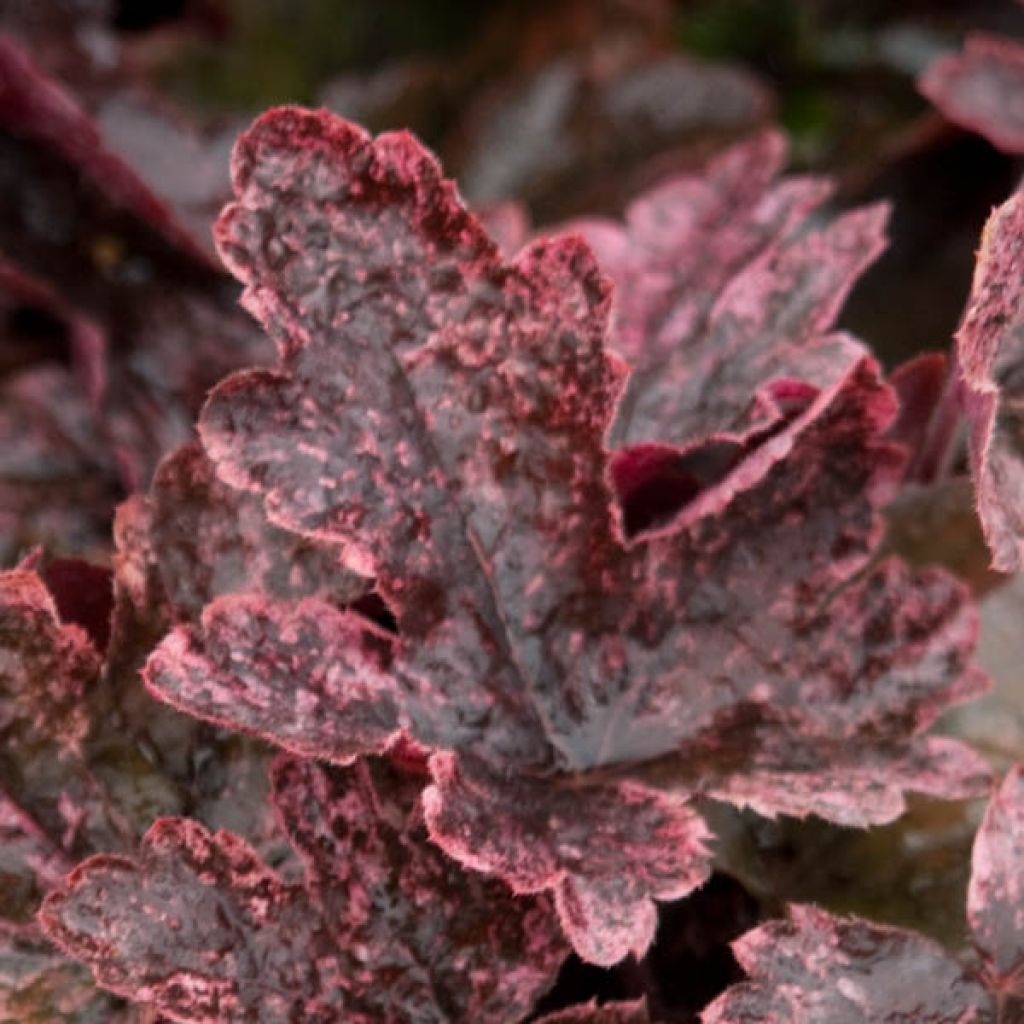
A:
429	941
721	288
995	898
982	89
46	669
200	928
312	677
603	864
385	928
439	414
609	1013
194	538
990	350
815	967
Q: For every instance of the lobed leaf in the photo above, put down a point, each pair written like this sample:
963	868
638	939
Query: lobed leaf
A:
429	941
312	677
981	89
995	897
990	350
721	289
193	538
385	928
605	853
200	928
814	967
439	414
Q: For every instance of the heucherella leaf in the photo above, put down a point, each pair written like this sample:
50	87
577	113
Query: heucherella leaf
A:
439	416
721	289
429	942
46	671
995	897
47	668
981	89
990	351
817	967
193	538
537	840
385	927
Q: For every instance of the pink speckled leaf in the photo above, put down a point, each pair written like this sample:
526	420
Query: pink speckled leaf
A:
312	677
850	783
439	414
201	929
995	897
609	1013
430	942
605	852
990	352
193	538
722	289
47	669
982	89
685	239
815	968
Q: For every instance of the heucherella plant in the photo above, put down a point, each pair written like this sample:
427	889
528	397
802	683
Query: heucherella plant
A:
521	560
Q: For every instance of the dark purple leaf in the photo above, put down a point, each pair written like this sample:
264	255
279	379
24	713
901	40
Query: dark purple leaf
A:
815	968
429	941
386	927
193	539
439	414
200	928
84	595
929	414
995	898
990	353
537	838
982	89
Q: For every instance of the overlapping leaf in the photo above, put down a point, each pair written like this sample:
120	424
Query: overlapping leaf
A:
609	1013
722	288
193	538
990	351
385	928
815	967
982	89
439	414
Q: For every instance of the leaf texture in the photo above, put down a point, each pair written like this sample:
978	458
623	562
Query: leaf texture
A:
199	928
193	538
818	967
815	967
439	415
990	351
